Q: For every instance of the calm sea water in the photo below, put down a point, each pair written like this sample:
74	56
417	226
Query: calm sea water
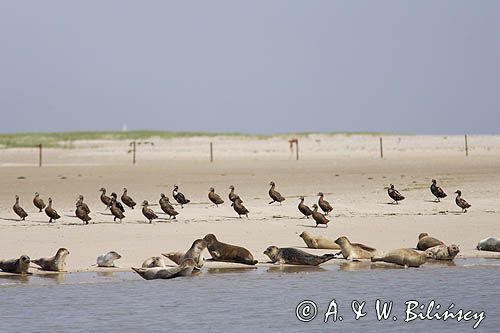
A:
262	299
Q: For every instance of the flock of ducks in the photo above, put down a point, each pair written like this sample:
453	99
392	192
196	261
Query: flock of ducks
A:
117	208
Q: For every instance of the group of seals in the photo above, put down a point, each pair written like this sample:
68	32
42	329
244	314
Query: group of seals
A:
195	252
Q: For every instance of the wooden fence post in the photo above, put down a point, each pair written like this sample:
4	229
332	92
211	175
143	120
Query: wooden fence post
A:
211	153
381	149
466	146
40	155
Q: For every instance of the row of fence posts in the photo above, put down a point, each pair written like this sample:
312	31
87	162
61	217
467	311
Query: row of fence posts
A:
292	143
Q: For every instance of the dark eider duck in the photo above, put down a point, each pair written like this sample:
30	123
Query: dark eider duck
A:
179	197
127	200
38	202
275	195
51	212
118	203
214	197
117	212
461	202
233	196
167	207
323	204
104	198
82	211
437	191
304	209
82	204
394	194
239	208
19	210
148	212
318	217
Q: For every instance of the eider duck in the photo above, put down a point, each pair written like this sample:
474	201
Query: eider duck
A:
304	209
239	208
118	203
148	212
117	212
233	196
167	207
82	204
38	202
214	197
179	197
104	198
275	195
19	210
127	200
82	212
51	212
318	217
394	194
323	204
437	191
461	202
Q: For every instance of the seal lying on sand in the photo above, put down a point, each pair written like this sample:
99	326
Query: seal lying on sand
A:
227	252
443	252
184	269
404	257
19	266
489	244
56	263
194	253
355	250
108	259
425	242
318	242
289	255
152	262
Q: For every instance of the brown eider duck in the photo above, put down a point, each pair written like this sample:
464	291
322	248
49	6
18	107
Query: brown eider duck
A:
233	196
104	198
117	212
148	212
51	212
437	191
394	194
304	209
214	197
82	204
82	211
318	217
179	197
38	202
118	203
275	195
461	202
239	208
167	207
127	200
323	204
19	210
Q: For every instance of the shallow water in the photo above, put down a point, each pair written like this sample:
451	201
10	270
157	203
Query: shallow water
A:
252	299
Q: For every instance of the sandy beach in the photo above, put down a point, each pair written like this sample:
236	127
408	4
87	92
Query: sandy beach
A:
347	168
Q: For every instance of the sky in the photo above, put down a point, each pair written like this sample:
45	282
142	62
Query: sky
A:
429	67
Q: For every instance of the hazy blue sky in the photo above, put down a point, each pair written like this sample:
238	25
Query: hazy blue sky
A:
252	66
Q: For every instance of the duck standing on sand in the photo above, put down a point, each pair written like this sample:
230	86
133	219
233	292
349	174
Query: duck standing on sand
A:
104	198
437	191
304	209
127	200
117	212
166	206
82	213
119	205
323	204
318	217
214	197
239	208
51	212
148	212
19	210
394	194
179	197
38	202
461	202
275	195
233	196
83	205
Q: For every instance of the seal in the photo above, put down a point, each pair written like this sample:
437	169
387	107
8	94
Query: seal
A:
152	262
404	257
184	269
56	263
289	255
227	252
443	252
318	242
18	266
489	244
425	242
108	259
194	252
355	250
